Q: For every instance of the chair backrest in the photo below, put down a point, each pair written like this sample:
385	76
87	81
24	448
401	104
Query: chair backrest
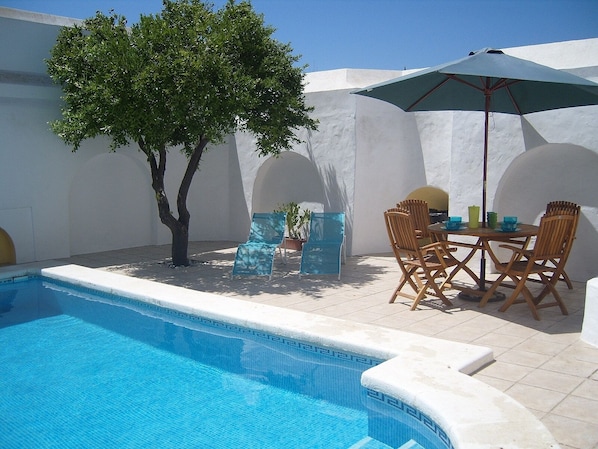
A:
327	227
420	212
565	208
267	228
554	236
562	208
401	232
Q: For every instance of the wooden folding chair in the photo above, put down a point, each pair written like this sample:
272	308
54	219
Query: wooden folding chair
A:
552	243
565	208
421	217
422	267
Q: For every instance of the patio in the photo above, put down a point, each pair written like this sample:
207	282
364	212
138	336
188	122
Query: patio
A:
541	364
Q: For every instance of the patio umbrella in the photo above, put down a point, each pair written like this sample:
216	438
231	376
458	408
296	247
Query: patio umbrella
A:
487	80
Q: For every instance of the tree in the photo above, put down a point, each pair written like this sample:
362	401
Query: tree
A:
184	78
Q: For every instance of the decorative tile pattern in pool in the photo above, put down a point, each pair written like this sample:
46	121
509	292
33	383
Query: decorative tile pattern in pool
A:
320	372
394	421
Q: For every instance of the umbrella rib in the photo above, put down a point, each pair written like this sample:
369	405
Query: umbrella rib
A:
502	83
508	89
505	83
428	93
467	83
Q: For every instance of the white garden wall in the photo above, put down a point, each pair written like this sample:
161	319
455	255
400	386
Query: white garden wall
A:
366	156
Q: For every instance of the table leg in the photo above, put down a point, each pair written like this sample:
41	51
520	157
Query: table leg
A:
496	296
477	294
463	264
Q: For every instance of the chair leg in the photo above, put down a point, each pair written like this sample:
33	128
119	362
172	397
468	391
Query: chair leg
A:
529	299
439	289
550	287
565	278
519	284
521	289
406	278
491	291
418	298
409	276
420	282
431	283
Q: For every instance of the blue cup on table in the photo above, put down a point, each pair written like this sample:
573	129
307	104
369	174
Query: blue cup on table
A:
509	224
453	223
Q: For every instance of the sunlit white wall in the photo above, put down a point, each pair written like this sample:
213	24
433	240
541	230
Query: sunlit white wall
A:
365	157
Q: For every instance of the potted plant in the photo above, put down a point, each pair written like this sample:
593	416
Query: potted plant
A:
296	223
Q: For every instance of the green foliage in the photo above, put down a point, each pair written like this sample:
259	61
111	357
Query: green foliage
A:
177	77
185	77
297	219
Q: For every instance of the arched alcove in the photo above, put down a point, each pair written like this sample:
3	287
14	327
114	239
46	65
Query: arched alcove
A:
436	198
288	177
554	172
119	213
8	255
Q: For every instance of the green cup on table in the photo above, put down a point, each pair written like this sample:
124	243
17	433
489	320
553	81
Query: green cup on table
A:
492	219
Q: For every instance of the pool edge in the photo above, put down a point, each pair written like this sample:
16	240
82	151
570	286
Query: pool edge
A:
473	414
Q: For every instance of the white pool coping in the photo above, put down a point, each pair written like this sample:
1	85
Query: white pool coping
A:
429	373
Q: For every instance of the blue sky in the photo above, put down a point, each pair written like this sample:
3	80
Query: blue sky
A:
384	34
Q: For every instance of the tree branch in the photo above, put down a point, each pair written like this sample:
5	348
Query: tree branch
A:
192	167
158	169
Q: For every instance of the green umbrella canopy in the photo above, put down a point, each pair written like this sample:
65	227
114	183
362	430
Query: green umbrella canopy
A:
515	86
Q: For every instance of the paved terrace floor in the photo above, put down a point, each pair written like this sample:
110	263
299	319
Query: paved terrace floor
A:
543	365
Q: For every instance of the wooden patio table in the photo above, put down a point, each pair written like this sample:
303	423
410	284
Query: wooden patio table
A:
485	235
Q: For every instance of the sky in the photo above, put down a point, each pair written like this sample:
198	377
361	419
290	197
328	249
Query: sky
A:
383	34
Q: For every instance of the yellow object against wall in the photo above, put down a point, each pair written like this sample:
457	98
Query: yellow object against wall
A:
436	198
7	249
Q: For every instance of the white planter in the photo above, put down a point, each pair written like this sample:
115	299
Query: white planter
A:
589	330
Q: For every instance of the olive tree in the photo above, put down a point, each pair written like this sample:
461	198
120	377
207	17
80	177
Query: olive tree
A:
183	78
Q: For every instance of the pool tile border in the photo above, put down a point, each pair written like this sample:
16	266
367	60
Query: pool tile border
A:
473	414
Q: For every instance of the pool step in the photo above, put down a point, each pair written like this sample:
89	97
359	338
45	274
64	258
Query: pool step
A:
369	443
411	444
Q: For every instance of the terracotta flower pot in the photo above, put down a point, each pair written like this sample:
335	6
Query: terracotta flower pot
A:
293	244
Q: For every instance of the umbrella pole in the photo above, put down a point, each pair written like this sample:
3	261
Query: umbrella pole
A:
485	180
497	296
476	295
482	285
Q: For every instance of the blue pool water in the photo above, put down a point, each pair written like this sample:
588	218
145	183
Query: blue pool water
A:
85	369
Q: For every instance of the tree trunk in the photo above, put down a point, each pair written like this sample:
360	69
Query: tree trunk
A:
180	245
178	227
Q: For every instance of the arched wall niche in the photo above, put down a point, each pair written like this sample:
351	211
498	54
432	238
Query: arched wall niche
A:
288	177
554	172
436	198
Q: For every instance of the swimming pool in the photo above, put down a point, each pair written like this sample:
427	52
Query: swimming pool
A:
86	369
421	376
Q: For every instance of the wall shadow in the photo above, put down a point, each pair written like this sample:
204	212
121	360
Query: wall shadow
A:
555	172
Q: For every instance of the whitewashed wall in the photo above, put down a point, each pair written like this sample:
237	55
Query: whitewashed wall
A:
56	203
366	156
